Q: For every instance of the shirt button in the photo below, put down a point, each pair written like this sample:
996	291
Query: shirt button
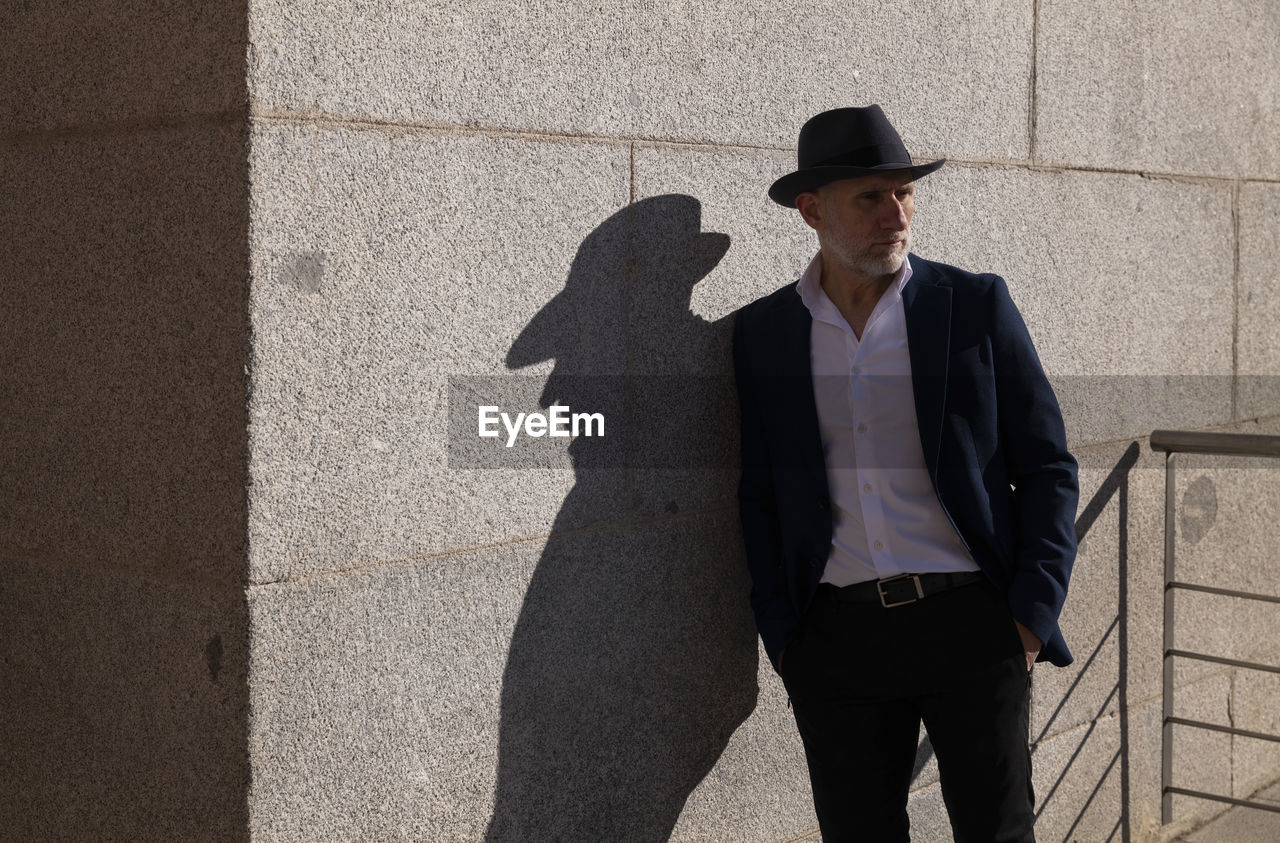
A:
866	488
857	370
862	428
879	545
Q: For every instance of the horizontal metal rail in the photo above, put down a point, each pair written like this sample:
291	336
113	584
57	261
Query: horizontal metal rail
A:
1209	589
1230	730
1264	806
1203	442
1187	654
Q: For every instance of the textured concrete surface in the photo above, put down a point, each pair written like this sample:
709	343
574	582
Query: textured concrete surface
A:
1254	707
1227	534
928	814
450	642
581	687
1086	257
1243	825
1258	301
1201	758
122	475
1140	730
759	787
686	330
439	255
1159	88
122	384
127	721
376	695
1226	530
769	245
665	70
1078	782
121	63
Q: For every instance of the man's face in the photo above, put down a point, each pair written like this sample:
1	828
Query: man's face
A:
864	223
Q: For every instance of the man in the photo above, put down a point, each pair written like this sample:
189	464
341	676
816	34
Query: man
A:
907	501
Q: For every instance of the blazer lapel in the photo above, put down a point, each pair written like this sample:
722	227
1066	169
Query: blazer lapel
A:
796	367
927	307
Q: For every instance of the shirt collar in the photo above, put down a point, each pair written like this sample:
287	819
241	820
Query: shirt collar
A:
815	298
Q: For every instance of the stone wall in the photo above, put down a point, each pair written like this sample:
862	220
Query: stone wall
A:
244	347
124	203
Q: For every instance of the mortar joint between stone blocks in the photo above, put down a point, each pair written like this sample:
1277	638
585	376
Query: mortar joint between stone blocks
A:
627	523
280	116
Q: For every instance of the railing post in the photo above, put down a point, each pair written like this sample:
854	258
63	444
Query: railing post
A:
1166	735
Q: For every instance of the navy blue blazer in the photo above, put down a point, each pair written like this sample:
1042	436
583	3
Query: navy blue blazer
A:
992	433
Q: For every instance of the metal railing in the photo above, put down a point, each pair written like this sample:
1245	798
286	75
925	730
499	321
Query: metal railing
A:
1173	442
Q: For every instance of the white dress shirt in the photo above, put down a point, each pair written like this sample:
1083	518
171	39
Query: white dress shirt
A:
886	514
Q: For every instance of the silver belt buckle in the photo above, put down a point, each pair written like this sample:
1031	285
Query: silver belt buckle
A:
915	578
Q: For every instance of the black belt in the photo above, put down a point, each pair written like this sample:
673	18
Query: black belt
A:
899	590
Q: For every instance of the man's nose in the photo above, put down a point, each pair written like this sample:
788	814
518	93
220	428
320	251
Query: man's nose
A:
895	215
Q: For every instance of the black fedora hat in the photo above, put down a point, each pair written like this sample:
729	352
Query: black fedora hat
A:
846	143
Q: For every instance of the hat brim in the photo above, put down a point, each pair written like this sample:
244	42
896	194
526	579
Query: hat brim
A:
785	190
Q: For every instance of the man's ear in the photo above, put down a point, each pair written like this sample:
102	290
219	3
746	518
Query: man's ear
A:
810	207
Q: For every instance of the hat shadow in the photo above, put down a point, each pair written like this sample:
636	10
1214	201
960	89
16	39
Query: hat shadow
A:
633	659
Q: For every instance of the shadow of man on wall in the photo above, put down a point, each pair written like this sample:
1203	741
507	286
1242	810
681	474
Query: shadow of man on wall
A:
634	657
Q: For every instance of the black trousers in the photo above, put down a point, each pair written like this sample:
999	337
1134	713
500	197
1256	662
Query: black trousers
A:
862	677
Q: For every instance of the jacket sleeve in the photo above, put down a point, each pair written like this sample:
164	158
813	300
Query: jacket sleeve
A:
1041	470
758	509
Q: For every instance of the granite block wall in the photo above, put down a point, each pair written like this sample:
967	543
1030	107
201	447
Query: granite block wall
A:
124	205
263	579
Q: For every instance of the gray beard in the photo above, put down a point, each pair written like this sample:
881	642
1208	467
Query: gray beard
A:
886	265
876	266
